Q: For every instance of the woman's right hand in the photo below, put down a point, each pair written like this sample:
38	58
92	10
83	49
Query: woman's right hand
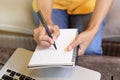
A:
42	38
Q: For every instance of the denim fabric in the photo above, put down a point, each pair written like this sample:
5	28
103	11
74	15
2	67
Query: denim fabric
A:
63	20
36	19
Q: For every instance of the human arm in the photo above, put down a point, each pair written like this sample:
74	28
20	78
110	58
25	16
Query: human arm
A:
46	8
84	39
40	35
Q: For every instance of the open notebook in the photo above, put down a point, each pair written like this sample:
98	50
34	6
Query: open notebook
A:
50	57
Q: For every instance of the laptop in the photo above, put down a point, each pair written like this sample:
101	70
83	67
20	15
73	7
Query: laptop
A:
16	69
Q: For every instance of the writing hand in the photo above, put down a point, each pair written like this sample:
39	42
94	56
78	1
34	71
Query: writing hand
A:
42	38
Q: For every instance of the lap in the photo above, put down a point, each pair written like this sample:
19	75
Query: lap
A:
63	20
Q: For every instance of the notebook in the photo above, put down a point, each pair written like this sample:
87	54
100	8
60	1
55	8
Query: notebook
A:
50	57
16	69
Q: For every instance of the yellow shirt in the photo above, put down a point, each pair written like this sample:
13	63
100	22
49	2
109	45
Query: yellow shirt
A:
72	6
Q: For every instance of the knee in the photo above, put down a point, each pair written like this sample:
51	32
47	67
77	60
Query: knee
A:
95	49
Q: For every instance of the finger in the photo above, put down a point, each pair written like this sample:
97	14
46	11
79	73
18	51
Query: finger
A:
44	44
42	31
41	38
39	34
46	39
56	32
36	31
36	40
81	50
73	45
36	35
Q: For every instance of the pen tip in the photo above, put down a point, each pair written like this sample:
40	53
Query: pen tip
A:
55	46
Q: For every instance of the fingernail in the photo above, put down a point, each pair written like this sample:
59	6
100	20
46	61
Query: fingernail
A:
54	38
70	48
51	41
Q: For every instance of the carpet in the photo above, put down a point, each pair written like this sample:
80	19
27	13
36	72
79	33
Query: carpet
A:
5	54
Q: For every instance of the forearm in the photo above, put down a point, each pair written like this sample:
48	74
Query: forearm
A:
46	8
101	9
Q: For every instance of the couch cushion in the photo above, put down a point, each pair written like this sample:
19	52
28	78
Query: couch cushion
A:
112	27
16	16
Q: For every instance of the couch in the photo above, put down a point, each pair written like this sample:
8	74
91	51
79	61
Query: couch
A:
111	32
17	24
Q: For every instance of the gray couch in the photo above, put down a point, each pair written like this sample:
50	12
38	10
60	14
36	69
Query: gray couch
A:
16	25
111	33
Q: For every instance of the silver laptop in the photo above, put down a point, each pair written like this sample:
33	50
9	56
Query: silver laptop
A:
16	69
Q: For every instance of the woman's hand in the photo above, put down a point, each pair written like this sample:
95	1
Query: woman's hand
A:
82	41
42	38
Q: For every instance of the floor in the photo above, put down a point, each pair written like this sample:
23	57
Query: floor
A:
107	66
5	53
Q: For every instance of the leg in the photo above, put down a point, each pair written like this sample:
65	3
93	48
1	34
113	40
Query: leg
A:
96	46
59	18
81	22
36	19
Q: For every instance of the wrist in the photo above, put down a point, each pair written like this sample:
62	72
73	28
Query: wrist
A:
49	22
93	30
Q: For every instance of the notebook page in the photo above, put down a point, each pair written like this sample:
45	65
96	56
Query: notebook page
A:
51	56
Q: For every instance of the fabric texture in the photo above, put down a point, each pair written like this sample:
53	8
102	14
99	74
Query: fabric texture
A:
16	16
112	28
72	6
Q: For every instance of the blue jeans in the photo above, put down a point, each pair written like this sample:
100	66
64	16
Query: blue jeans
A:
63	20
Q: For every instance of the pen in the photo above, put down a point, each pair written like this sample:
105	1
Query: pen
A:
39	13
111	77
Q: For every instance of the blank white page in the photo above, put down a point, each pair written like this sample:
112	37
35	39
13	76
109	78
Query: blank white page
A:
52	57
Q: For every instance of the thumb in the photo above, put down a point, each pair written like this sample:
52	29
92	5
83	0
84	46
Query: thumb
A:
56	31
72	45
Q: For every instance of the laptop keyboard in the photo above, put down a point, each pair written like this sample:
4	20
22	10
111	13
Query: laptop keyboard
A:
12	75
